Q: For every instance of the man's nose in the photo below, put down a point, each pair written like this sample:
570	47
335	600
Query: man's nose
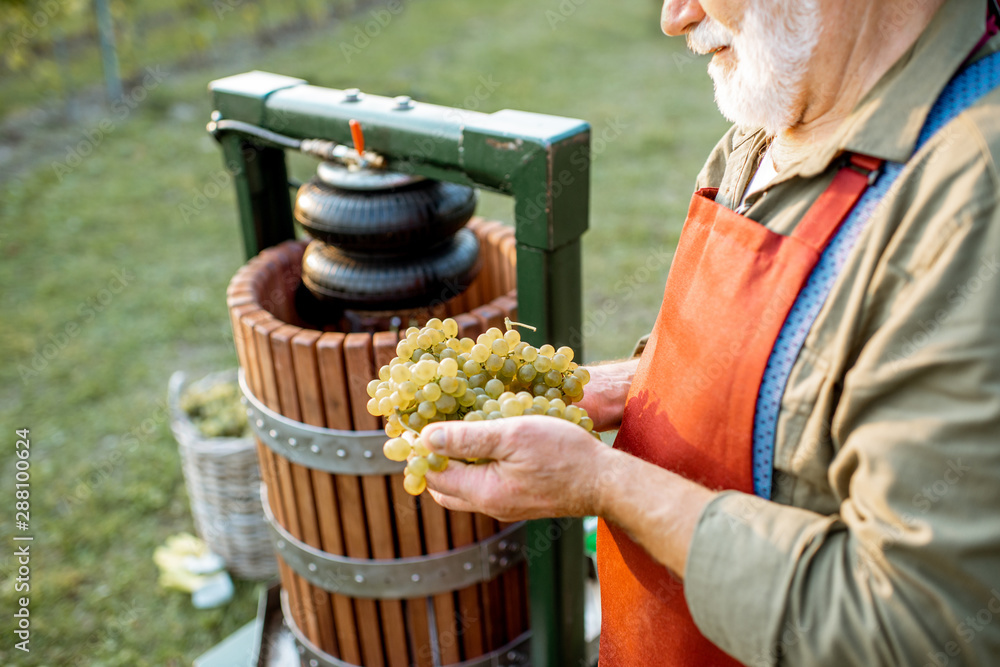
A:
679	16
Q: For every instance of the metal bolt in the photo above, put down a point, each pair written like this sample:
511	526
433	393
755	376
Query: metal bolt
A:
468	567
358	578
313	663
403	102
243	400
312	567
293	442
314	449
302	649
249	412
352	95
281	544
513	547
260	423
415	577
341	453
493	558
512	656
273	433
504	561
368	454
503	545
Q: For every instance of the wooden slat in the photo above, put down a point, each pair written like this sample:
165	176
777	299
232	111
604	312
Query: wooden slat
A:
470	612
337	406
494	619
265	457
333	379
269	396
480	288
361	369
317	600
358	364
436	537
406	514
311	401
407	517
285	476
508	257
493	240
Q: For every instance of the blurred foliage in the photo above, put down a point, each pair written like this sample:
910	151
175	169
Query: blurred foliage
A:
50	47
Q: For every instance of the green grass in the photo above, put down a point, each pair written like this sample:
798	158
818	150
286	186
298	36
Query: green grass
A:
102	501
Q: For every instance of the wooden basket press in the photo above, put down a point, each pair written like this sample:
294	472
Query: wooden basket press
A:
352	547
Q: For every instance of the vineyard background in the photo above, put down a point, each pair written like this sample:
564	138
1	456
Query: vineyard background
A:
51	48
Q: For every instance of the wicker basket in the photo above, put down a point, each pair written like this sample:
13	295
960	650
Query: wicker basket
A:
223	485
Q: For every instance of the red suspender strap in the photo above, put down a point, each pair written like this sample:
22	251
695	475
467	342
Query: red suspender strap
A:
837	201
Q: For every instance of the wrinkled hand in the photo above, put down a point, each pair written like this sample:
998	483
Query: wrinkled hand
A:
605	394
541	467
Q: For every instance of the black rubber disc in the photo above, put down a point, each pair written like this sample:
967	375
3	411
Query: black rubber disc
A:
385	283
384	222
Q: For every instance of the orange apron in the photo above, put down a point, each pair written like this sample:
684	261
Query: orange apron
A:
691	405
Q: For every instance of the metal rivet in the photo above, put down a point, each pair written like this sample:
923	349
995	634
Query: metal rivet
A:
293	442
243	400
358	578
217	115
503	545
312	567
249	412
273	433
504	561
281	544
341	453
512	656
314	449
403	102
313	663
514	546
302	649
493	558
260	423
415	577
368	454
467	566
352	95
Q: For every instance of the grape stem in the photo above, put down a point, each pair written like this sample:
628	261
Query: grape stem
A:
510	324
399	416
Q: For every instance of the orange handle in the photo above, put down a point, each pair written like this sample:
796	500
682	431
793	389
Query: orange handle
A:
357	136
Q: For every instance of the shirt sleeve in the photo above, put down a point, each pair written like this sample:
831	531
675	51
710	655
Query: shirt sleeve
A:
907	572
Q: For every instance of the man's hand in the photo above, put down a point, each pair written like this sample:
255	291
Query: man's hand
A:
540	467
605	394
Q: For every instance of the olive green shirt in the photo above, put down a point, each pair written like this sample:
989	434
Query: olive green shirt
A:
881	544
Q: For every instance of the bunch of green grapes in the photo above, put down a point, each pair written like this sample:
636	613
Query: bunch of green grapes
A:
437	376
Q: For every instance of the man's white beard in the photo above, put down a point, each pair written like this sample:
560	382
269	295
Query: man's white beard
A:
772	53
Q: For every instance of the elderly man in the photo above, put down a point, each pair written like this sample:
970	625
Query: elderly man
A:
807	470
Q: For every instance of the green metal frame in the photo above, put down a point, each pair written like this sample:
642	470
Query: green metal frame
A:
542	161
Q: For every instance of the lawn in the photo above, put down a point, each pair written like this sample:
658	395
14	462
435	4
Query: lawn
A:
106	289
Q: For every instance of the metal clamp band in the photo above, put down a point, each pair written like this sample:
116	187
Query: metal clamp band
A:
399	578
339	452
515	654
